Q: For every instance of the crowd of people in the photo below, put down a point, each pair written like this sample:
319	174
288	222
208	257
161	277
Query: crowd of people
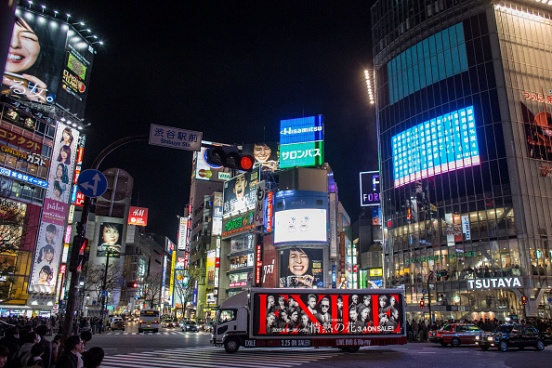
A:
25	344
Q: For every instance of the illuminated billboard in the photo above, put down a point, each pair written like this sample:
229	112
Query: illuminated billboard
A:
369	188
302	142
138	216
347	313
442	144
301	268
110	240
54	212
301	225
266	154
240	194
206	171
48	62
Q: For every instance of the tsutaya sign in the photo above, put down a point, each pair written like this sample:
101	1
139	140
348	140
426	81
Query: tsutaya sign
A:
495	283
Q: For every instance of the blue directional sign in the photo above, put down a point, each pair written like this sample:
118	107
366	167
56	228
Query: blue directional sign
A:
92	183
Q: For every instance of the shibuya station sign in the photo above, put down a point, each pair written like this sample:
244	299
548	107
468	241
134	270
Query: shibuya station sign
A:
495	283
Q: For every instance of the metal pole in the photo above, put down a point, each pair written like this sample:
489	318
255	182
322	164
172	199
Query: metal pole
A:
104	291
429	298
72	295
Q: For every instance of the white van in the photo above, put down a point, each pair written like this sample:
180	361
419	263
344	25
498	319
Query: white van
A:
149	320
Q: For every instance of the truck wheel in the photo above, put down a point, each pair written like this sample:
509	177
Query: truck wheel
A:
231	345
455	342
352	349
540	345
503	346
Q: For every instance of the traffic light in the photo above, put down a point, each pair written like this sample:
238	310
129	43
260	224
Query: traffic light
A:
77	257
524	300
422	304
132	285
229	157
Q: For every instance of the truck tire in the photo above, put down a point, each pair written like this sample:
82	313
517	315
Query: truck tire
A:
503	346
352	349
540	345
231	345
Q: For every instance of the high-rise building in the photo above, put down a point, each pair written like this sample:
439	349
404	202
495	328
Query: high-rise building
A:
464	94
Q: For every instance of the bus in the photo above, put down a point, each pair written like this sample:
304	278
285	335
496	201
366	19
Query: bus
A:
149	320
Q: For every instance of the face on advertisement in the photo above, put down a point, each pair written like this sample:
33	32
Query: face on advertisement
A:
110	234
44	275
298	262
261	152
67	136
239	186
24	47
51	232
24	54
64	155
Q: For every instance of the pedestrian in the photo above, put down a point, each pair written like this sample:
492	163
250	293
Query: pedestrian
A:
11	341
4	356
35	359
86	336
93	357
42	331
56	343
71	357
24	352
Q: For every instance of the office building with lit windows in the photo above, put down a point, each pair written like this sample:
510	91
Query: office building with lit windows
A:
464	94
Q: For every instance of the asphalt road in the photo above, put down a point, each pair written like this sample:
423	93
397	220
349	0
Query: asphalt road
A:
173	348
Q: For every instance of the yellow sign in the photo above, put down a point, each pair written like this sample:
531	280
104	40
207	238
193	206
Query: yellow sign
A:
376	272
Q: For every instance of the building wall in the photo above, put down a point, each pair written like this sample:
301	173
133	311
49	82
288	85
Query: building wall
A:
477	205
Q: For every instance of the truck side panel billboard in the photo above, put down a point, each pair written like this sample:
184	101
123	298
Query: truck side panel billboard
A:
326	313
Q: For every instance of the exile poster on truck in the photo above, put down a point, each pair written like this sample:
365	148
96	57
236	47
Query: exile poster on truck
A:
327	312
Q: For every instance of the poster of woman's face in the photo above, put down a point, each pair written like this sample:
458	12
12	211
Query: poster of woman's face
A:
35	57
301	268
110	240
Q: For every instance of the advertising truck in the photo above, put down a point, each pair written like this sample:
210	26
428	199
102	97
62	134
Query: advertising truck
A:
289	317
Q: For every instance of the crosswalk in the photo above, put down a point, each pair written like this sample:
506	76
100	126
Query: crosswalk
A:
118	332
217	357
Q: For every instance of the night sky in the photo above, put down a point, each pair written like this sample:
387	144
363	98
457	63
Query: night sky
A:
232	70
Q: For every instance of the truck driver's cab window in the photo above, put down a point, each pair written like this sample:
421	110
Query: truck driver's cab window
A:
227	315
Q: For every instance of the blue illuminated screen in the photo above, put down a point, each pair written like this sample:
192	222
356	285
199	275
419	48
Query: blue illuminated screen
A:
431	60
442	144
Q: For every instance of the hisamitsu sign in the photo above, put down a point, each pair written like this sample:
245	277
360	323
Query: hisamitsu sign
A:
170	137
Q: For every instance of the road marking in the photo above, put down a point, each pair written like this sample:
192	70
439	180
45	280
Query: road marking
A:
217	357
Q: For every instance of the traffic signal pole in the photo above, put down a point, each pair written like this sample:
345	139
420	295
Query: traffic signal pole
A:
72	296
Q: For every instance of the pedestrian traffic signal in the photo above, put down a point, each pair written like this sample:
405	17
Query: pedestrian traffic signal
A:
524	300
77	258
229	157
422	304
132	285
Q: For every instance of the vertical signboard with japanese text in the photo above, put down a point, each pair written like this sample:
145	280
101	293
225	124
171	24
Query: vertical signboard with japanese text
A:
50	240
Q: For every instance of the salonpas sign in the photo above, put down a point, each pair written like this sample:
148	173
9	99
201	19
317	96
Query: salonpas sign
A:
496	283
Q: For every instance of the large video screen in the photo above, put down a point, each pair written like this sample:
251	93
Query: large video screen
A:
442	144
48	62
300	225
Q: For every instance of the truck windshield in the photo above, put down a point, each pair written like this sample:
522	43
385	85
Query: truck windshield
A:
227	315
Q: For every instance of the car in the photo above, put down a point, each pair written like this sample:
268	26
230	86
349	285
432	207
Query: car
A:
117	323
455	334
513	335
190	326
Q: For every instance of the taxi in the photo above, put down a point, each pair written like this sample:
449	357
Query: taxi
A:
456	334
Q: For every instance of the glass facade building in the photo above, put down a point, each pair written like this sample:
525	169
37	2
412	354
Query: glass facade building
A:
464	95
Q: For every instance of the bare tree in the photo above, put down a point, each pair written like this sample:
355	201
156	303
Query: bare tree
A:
95	275
151	289
185	283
